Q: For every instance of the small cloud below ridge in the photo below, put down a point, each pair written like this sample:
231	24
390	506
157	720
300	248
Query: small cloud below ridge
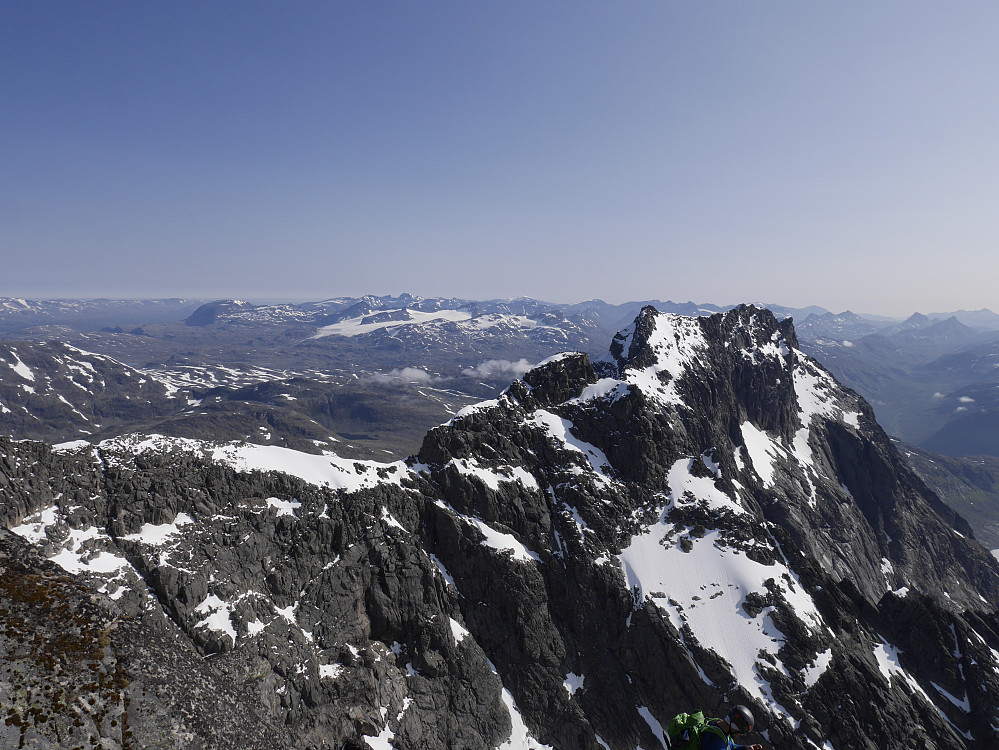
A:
498	368
407	374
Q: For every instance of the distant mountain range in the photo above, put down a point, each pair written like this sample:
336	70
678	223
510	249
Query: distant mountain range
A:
93	314
933	382
930	378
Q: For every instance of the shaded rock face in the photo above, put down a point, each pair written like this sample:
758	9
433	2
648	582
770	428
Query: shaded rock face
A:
704	516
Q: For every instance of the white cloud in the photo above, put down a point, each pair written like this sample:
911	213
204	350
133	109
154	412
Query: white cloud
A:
498	368
406	375
966	400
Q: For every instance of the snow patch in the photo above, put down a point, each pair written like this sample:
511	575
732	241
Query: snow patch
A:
573	682
458	630
358	326
560	430
389	519
706	587
520	735
330	671
492	477
962	703
325	470
658	730
677	342
686	488
762	452
284	507
606	388
816	669
472	408
218	616
443	571
70	447
80	551
497	540
159	534
384	739
20	368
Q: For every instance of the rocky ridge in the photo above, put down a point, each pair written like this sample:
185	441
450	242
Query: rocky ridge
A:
702	516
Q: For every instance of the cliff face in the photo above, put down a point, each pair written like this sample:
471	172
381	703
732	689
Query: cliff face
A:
703	516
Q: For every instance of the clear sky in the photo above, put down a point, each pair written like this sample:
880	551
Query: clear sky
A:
840	154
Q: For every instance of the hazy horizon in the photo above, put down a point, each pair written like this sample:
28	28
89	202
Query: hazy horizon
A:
261	301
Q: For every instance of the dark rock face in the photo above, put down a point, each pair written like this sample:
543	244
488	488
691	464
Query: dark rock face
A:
704	516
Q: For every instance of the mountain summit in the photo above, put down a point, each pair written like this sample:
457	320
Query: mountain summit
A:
702	516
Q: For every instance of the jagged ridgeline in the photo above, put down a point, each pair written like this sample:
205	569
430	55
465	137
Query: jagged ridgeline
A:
702	517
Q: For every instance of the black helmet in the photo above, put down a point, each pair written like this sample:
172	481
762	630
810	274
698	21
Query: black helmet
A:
740	720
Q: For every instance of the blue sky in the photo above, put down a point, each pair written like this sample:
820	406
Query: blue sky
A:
838	154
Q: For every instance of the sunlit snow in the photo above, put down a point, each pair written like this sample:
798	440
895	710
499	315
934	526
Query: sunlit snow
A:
706	587
328	470
324	470
818	667
520	737
80	551
384	739
763	451
458	630
573	682
685	487
376	321
217	616
492	477
606	388
497	540
472	408
560	429
330	671
158	534
443	571
677	342
658	730
20	368
283	507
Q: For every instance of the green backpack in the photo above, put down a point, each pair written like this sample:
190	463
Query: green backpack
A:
684	731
